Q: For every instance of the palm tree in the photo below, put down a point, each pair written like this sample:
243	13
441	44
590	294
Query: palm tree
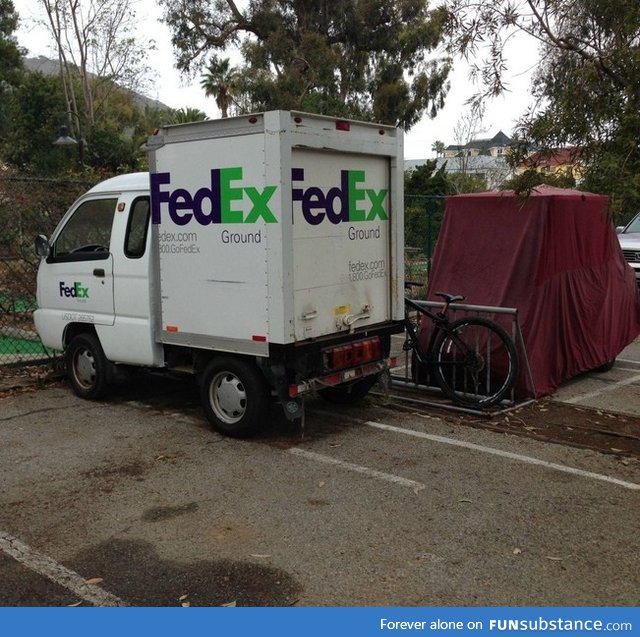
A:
220	82
438	147
186	115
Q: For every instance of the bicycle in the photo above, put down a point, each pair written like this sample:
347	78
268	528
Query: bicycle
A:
473	359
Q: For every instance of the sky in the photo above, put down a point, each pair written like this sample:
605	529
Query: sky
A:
177	92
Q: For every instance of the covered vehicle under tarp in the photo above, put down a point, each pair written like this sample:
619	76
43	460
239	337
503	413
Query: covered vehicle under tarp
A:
556	259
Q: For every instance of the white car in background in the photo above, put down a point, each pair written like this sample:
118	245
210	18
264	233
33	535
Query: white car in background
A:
629	238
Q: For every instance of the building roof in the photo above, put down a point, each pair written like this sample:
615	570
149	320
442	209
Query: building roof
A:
554	158
499	139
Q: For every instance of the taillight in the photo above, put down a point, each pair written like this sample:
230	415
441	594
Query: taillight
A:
353	354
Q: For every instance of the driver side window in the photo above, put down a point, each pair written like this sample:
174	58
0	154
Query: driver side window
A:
87	233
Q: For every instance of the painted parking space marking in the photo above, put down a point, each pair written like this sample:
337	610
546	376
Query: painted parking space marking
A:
52	570
349	466
602	390
506	454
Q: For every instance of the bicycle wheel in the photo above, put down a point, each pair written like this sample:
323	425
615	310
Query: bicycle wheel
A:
475	362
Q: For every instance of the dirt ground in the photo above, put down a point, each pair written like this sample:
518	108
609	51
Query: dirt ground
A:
561	423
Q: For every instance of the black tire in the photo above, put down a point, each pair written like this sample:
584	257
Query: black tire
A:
475	362
87	367
235	396
349	393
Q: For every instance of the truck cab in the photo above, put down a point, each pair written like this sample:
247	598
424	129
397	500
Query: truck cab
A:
95	273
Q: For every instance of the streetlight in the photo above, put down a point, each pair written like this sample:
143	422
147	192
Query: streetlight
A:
64	139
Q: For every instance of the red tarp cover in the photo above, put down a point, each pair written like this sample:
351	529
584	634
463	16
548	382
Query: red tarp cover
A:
557	260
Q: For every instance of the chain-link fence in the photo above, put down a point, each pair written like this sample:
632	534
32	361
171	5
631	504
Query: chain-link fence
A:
28	206
422	218
31	206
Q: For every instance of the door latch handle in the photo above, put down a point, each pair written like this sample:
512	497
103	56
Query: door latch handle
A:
98	272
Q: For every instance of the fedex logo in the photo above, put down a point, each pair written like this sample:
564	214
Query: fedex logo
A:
216	203
348	202
75	291
211	204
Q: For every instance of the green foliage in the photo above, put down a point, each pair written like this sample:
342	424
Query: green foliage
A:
425	189
185	115
10	52
365	59
35	110
461	182
526	181
586	87
221	82
10	57
426	180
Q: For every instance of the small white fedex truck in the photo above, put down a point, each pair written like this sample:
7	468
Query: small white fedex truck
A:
263	253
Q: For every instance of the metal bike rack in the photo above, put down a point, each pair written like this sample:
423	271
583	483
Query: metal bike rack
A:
402	378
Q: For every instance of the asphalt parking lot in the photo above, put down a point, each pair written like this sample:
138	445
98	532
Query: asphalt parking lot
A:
617	390
135	501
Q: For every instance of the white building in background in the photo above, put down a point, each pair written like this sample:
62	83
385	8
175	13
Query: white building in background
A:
485	158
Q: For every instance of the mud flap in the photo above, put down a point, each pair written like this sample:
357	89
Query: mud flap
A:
293	408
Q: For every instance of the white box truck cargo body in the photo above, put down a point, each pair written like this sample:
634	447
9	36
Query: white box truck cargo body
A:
272	261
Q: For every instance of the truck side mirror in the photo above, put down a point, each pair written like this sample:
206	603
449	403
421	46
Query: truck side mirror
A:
619	229
43	248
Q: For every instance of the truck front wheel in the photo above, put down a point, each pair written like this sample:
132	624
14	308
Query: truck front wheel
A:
87	366
235	396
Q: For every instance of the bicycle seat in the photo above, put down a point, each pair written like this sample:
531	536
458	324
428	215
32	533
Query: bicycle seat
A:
450	298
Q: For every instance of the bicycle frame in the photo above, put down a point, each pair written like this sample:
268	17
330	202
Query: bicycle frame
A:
440	321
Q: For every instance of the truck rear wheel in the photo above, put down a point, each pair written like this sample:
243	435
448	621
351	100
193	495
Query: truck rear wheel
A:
235	397
87	366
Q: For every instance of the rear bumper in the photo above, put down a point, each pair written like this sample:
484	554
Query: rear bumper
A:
338	378
301	368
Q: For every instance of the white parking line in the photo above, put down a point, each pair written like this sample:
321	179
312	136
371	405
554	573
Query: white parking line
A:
57	573
349	466
506	454
602	390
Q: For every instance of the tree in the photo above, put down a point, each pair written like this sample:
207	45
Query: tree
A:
35	110
595	104
425	188
221	82
10	56
10	52
586	91
467	128
526	181
362	58
186	115
438	148
97	44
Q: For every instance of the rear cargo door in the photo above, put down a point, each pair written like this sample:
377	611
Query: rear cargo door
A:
341	230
